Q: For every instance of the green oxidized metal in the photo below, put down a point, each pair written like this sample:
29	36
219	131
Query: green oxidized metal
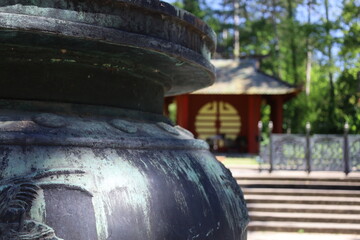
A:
85	153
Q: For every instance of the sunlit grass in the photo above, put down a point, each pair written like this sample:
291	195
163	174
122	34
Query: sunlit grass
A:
239	161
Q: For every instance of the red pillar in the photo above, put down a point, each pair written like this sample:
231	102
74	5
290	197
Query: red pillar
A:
276	115
182	116
254	104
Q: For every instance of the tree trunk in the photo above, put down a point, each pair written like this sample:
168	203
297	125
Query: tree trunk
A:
308	71
245	10
329	53
276	47
309	54
292	41
236	29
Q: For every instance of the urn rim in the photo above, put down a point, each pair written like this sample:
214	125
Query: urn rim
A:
179	43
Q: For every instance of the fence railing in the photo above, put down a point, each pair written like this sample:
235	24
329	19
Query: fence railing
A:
303	152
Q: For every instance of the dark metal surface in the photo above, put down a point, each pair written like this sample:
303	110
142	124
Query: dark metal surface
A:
81	125
102	177
80	220
88	51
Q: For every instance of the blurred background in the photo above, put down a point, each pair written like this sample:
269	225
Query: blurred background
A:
314	44
284	112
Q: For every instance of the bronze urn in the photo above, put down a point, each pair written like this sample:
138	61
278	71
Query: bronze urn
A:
85	152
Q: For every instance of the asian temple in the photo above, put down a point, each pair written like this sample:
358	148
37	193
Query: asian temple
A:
227	113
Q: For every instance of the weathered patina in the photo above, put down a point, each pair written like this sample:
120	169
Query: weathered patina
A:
92	51
85	153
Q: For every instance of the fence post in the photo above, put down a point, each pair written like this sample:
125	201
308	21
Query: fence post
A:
346	149
260	126
308	148
271	126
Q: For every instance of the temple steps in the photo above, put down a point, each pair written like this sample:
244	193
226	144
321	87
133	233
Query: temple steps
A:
327	203
337	178
308	227
300	184
303	208
301	192
305	217
314	200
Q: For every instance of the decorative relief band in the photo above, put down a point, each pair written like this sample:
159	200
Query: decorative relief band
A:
168	128
16	199
121	143
123	125
49	120
185	131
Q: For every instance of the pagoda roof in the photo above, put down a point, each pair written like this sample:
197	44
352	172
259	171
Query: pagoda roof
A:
244	77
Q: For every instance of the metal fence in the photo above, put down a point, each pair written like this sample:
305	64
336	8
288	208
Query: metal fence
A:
303	152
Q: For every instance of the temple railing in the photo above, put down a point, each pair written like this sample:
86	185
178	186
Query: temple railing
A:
319	152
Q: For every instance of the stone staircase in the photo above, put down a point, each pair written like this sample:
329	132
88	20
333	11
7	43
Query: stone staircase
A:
297	202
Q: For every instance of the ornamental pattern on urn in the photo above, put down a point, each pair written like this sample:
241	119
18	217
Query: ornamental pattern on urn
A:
16	199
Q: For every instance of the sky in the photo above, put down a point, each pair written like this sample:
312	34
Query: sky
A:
317	13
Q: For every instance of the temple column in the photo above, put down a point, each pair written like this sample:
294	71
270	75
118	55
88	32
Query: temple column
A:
182	116
253	114
276	115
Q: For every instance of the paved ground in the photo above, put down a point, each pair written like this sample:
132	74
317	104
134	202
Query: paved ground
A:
299	236
239	171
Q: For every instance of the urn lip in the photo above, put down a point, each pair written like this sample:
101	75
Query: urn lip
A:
170	46
179	14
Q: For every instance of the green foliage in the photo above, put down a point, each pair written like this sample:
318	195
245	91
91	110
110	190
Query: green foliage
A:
172	112
265	119
318	102
348	99
256	36
351	19
192	6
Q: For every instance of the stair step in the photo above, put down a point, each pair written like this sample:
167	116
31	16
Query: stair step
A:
302	199
301	192
305	178
299	184
240	174
299	236
304	217
320	202
345	228
303	208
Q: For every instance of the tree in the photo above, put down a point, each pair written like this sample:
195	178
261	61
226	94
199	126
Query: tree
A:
291	30
348	99
329	41
350	50
193	6
309	47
